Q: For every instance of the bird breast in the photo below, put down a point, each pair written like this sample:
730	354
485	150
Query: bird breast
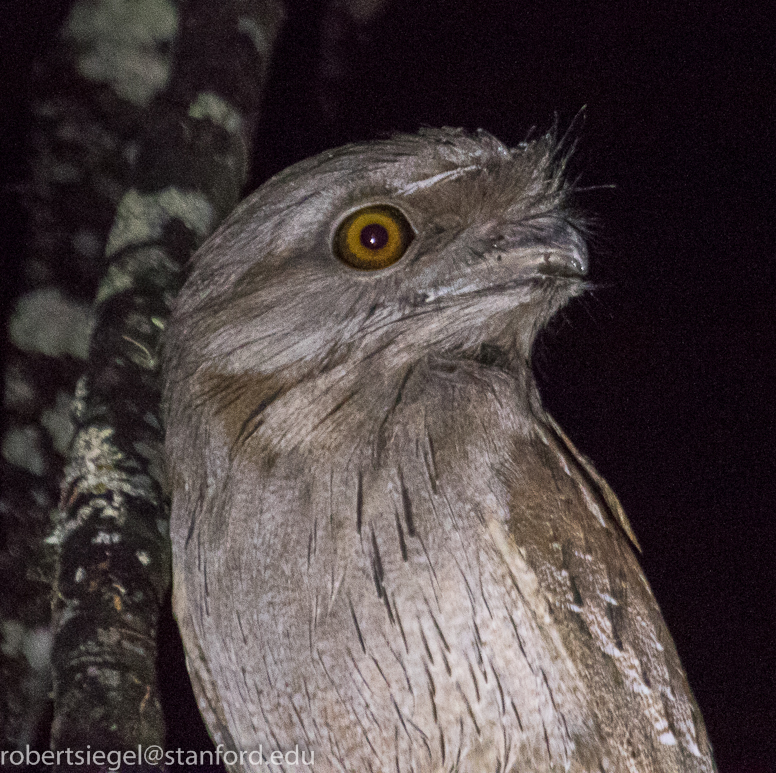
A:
379	609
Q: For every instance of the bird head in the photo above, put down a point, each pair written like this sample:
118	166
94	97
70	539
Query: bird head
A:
441	243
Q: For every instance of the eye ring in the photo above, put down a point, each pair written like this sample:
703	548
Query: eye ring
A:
373	237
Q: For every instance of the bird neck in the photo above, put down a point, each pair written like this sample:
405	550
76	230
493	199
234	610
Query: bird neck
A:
356	410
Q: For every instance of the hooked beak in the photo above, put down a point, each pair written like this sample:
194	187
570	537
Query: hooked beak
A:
567	264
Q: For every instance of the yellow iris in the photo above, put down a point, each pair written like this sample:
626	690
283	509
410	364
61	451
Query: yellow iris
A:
373	237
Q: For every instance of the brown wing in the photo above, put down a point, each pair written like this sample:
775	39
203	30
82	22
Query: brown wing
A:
572	532
602	488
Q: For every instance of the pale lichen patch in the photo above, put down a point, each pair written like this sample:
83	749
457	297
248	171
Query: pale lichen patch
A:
248	26
36	646
21	447
215	108
19	391
118	43
142	217
96	469
58	422
106	538
46	321
136	648
143	557
32	643
109	677
97	456
68	613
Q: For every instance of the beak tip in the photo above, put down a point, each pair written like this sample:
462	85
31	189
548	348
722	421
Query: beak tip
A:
570	265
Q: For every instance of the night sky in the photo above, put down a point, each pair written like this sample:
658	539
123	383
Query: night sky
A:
663	374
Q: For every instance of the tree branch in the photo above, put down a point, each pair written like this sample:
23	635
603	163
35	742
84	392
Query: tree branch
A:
113	566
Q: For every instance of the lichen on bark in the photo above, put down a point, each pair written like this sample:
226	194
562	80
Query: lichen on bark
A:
146	113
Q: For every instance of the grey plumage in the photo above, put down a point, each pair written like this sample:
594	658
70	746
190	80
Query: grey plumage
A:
385	550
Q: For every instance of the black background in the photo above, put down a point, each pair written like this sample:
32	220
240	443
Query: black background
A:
663	374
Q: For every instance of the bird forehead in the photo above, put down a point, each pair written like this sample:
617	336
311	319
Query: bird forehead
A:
427	182
411	163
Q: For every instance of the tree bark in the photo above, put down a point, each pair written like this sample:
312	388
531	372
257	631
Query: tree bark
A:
151	106
113	572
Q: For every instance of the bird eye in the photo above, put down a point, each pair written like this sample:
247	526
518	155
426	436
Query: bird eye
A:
373	237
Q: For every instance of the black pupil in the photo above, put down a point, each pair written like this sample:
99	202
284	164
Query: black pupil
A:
374	236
